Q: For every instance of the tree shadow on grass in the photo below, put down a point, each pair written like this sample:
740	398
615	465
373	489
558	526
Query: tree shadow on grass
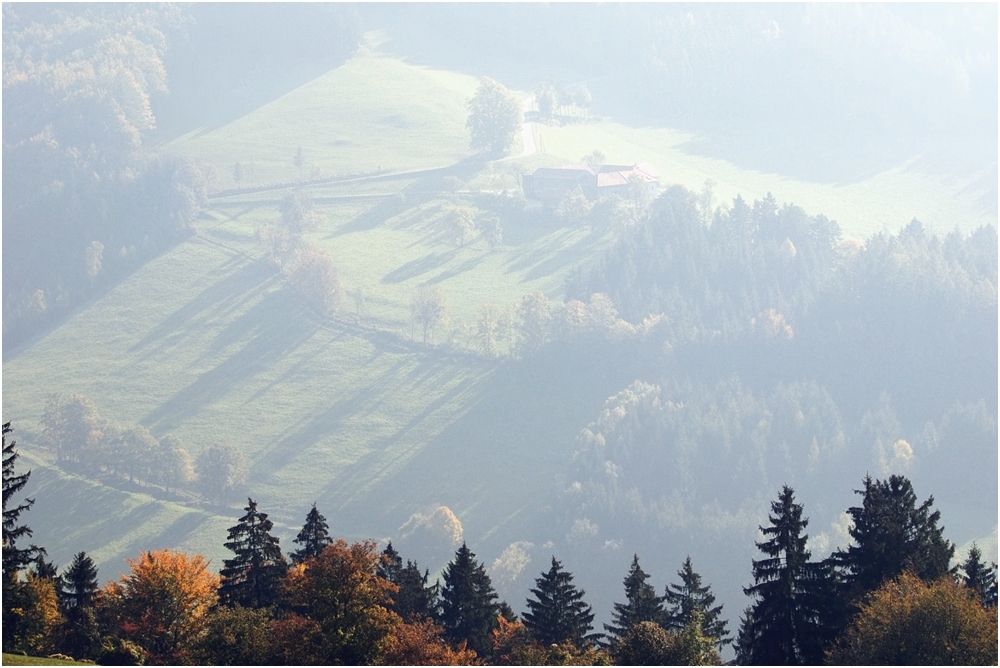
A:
417	267
277	325
221	294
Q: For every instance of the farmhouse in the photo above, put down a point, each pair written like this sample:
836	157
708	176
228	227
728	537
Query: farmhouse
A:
551	184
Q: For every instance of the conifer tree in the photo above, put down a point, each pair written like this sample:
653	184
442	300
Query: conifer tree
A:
251	578
979	577
313	537
557	613
468	602
415	597
390	565
783	625
79	582
891	534
78	592
690	599
15	559
642	604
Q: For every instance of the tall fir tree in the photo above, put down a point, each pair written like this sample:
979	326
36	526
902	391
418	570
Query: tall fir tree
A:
641	603
78	592
15	559
390	565
314	536
468	602
691	599
557	613
415	598
979	577
784	623
891	533
251	578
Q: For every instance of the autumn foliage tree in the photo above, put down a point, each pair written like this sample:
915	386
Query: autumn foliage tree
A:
494	117
342	606
908	621
162	604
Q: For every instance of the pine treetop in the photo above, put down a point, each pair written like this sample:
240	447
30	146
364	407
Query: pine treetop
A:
692	599
251	577
468	602
313	537
558	613
642	604
14	559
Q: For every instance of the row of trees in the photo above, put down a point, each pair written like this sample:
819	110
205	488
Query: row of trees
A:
889	597
85	441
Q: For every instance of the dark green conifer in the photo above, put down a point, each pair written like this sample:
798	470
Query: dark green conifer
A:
892	534
689	597
557	613
251	578
415	598
78	593
641	603
468	602
313	537
979	577
15	559
391	564
784	623
79	582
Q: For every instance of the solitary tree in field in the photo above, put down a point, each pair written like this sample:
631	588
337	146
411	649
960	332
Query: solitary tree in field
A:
222	468
429	309
494	117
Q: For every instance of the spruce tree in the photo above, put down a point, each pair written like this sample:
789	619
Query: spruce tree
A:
313	537
784	624
415	598
251	578
557	613
79	583
15	559
891	534
979	577
391	564
690	599
468	602
79	591
641	603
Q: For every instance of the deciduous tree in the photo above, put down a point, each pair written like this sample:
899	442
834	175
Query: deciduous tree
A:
162	604
340	593
429	309
222	469
909	621
494	117
315	276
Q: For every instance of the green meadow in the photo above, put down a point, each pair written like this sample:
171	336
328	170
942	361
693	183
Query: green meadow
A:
206	343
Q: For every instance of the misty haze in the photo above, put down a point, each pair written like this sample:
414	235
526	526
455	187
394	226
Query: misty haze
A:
498	332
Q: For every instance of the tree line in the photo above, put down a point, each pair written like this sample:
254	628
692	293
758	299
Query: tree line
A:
889	597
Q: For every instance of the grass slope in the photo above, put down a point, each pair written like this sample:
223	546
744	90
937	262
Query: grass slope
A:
205	342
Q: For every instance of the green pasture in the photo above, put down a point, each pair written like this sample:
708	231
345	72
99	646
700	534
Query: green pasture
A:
207	342
886	201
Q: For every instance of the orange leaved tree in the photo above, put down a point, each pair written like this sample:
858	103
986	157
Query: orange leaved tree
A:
162	604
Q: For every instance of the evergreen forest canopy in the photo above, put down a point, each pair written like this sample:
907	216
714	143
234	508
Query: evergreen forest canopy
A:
632	375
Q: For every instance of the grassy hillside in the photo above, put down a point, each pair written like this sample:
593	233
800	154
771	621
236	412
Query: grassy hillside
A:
887	200
206	343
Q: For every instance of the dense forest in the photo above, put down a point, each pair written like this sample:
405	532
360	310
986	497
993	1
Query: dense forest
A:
889	597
